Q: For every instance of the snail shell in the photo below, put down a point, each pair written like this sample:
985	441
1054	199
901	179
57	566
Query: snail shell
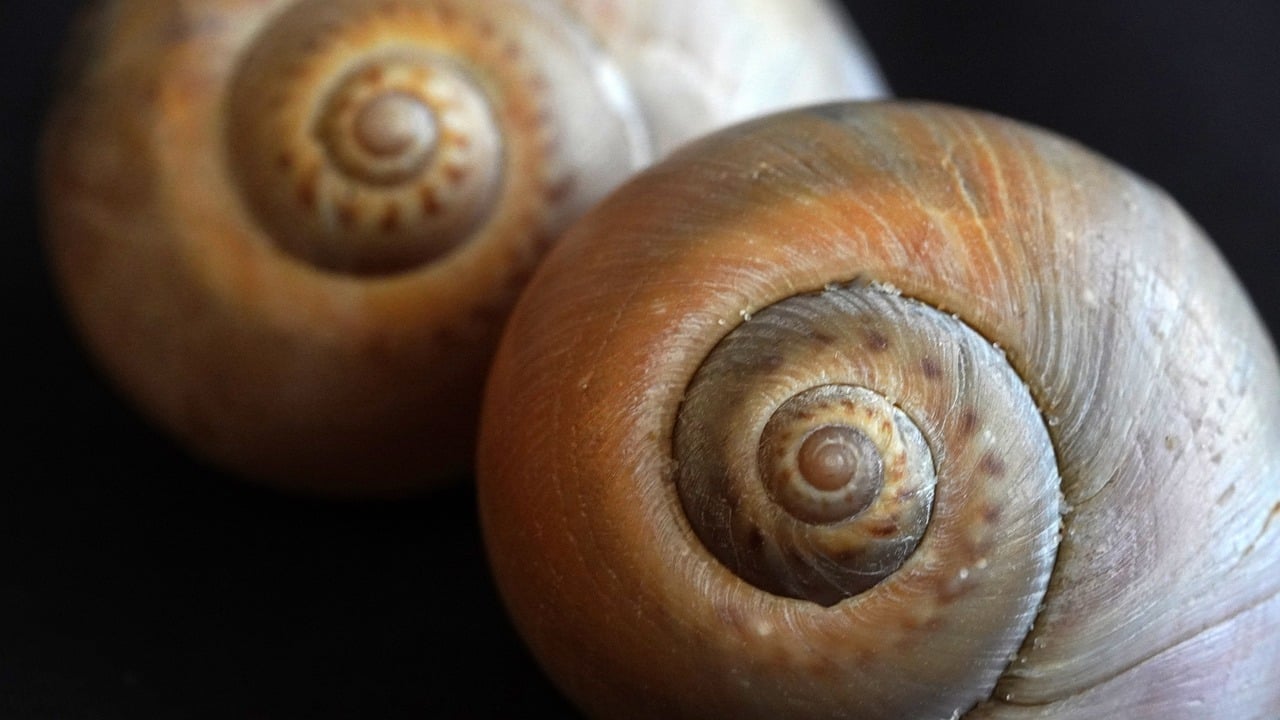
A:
734	392
292	229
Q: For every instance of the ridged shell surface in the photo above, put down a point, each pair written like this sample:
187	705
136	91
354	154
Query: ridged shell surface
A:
1135	357
291	230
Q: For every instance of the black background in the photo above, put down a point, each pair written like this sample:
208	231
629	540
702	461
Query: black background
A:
138	583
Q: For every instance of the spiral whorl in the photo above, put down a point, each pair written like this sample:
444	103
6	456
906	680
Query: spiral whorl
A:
808	382
728	356
292	229
824	455
375	137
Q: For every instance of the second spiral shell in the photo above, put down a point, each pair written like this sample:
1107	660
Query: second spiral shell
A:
291	230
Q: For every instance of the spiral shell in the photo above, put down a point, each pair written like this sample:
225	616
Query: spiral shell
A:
806	377
292	229
386	158
1095	395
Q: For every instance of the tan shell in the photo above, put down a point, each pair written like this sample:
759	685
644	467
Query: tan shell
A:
1156	387
291	230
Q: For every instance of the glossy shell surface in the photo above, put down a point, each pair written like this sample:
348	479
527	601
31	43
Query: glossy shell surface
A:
291	230
1153	381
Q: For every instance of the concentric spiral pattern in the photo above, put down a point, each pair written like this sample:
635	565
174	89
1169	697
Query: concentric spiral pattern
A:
292	230
803	387
375	137
825	454
699	473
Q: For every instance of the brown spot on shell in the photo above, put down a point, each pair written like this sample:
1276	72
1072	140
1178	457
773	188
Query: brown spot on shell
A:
391	219
908	622
968	423
930	367
990	513
347	214
876	341
732	501
551	145
850	557
342	105
730	614
755	540
992	465
824	338
770	362
456	174
560	189
884	529
427	199
307	192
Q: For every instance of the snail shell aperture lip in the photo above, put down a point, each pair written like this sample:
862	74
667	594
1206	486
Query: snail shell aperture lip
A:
291	230
1135	357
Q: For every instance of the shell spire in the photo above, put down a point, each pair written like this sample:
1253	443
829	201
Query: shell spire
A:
291	230
694	400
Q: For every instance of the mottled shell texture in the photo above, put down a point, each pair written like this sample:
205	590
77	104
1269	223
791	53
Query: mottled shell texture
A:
735	391
291	230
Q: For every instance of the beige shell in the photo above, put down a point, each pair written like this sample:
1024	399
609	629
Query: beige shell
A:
1098	399
291	230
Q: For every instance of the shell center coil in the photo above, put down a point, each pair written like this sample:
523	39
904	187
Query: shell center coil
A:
369	143
830	452
394	124
836	456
